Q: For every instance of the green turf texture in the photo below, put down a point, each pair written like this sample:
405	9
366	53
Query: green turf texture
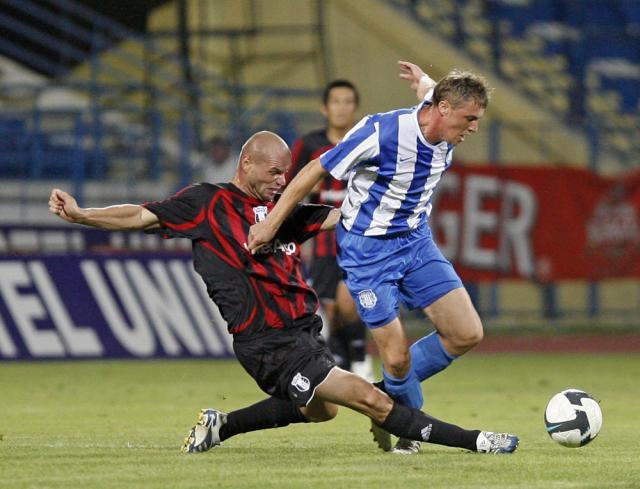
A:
120	424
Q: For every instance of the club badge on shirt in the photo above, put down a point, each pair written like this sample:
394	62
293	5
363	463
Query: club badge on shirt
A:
260	213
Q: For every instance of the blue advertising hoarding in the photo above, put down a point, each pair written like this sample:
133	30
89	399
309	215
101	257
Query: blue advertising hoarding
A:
106	305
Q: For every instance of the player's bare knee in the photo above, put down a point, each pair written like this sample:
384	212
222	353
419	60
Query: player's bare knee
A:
330	412
398	365
319	414
468	339
475	335
478	336
377	404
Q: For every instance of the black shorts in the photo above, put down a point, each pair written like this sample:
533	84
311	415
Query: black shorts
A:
325	275
287	363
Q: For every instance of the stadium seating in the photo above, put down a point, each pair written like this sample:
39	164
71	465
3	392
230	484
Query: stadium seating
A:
124	107
14	147
579	58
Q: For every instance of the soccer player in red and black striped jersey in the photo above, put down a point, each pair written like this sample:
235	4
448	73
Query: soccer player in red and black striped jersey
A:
269	308
347	339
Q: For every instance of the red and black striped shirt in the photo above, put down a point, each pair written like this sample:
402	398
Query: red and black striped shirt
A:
331	192
253	292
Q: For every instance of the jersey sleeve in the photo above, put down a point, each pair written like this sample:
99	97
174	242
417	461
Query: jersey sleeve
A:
359	144
428	97
300	155
183	215
305	221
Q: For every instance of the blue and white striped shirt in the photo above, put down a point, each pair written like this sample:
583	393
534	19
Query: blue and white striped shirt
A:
392	172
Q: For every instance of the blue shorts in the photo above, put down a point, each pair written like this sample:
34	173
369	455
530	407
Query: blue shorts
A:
382	272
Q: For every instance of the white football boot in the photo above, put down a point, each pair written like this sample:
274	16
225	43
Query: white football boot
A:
490	442
206	433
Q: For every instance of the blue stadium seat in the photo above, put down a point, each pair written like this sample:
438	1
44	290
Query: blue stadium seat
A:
53	159
14	148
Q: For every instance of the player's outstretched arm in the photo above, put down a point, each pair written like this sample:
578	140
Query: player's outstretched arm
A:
116	217
263	232
419	81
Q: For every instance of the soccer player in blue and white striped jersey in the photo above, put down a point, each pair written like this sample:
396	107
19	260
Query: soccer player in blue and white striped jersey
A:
393	162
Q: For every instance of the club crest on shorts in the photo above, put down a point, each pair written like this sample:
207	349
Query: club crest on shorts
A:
260	213
367	298
300	382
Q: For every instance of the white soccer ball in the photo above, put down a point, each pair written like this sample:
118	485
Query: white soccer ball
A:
573	418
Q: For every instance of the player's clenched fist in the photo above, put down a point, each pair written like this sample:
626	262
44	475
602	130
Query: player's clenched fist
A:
259	234
63	205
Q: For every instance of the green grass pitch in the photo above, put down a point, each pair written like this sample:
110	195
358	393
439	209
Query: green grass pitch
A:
119	425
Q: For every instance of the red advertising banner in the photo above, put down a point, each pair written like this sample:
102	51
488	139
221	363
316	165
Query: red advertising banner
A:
538	223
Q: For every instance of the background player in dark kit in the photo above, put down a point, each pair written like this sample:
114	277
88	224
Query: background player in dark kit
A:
347	332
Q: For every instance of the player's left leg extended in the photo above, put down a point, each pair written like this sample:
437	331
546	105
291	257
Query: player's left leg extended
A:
349	390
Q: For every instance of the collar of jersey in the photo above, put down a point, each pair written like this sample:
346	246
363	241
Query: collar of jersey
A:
419	107
252	200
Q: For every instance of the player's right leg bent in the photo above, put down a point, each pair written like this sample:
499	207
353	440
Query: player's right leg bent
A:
427	285
456	320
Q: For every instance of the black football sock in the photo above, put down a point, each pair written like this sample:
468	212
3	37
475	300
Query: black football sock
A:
356	334
339	349
411	423
269	413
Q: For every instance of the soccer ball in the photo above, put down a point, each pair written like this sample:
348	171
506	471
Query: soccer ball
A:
573	418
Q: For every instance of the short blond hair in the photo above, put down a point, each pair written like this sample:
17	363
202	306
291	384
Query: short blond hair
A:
458	87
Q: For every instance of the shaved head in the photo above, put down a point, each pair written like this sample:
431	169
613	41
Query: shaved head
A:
265	145
264	161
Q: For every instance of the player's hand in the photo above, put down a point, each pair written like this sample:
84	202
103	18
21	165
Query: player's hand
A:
412	73
260	234
64	205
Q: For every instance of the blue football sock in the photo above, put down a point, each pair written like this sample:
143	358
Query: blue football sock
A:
428	356
407	391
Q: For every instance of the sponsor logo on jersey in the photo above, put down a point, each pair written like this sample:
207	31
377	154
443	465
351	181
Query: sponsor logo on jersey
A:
277	245
300	382
260	213
367	298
